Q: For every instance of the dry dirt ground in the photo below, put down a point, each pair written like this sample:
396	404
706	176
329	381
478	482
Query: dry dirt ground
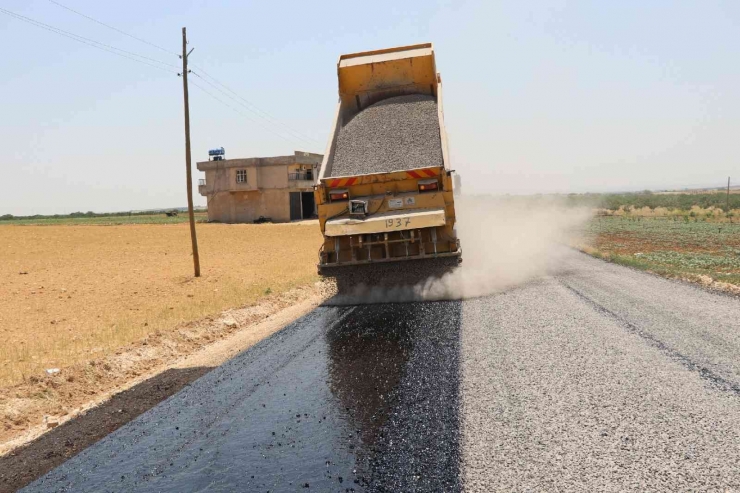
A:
74	293
110	306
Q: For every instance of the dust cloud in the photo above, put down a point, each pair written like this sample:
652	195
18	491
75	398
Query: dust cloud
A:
506	241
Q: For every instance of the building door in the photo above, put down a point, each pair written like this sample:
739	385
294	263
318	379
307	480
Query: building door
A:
307	205
295	206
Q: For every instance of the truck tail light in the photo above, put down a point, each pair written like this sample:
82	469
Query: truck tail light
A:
428	185
338	195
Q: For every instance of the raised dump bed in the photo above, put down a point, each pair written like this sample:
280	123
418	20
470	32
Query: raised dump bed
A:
385	190
394	134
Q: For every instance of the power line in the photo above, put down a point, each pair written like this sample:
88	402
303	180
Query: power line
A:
114	28
251	107
90	42
303	139
141	59
239	112
256	110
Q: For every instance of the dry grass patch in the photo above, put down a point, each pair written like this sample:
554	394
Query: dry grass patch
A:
75	293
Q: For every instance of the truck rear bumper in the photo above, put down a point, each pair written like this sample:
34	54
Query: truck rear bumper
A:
386	222
457	253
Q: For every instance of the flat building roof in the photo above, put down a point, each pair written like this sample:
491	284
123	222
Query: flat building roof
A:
298	157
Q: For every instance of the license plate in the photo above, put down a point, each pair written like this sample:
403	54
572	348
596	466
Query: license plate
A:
398	223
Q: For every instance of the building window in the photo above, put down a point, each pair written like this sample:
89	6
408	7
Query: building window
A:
241	176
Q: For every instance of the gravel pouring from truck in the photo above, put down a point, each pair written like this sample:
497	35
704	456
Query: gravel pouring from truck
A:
385	188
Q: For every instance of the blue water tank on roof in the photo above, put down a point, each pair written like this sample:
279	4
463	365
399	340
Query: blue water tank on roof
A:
217	152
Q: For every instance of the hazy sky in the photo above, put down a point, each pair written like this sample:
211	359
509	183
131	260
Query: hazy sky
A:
549	96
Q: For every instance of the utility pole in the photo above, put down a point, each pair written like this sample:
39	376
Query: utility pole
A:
728	194
193	238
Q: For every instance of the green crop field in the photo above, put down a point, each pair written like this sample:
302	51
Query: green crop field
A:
673	246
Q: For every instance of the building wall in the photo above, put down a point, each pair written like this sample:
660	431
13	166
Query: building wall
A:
273	177
225	179
241	207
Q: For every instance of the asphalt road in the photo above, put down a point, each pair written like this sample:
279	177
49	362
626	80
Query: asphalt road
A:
597	378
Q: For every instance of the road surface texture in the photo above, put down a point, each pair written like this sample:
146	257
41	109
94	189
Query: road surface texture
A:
597	378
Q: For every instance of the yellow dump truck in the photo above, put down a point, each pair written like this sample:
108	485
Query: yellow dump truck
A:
385	187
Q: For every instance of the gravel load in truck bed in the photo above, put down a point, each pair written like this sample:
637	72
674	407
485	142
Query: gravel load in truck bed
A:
391	135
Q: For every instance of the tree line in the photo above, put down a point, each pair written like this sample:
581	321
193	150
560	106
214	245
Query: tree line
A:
638	200
10	217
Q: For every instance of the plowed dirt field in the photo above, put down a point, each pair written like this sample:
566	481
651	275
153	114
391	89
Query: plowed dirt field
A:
73	293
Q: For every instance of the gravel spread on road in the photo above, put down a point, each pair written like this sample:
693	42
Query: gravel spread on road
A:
394	134
601	379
